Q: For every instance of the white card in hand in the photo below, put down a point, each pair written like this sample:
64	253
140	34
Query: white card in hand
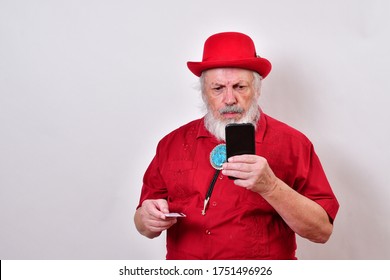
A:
175	215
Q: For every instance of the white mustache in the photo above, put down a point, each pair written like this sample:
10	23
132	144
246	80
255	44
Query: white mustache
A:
231	109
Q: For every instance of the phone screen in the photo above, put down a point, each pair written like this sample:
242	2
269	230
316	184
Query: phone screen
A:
240	139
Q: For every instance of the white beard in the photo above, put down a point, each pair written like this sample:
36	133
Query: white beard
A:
217	127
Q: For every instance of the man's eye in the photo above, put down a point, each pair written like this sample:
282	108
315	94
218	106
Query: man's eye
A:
217	88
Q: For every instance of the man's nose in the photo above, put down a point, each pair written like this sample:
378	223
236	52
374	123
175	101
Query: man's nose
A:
229	97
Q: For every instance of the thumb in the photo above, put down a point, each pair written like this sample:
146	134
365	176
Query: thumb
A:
162	204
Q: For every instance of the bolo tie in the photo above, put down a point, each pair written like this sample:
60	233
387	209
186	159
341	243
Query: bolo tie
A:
217	159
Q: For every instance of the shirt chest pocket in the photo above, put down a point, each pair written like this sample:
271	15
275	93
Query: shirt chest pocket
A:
179	177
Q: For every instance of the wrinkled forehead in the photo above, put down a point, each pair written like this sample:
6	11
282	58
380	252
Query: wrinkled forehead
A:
227	76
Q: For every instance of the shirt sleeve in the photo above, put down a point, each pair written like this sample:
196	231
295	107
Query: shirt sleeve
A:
153	184
315	185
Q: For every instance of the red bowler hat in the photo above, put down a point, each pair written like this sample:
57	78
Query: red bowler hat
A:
230	49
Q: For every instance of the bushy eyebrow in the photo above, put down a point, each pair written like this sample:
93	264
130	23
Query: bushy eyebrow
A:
218	84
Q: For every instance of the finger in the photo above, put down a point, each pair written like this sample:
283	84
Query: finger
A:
244	158
160	225
152	209
162	205
239	166
236	173
245	183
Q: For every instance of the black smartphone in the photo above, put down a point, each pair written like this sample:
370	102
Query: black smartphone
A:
240	139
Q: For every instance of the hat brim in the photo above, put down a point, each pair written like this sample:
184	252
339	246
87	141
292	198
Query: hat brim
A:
258	64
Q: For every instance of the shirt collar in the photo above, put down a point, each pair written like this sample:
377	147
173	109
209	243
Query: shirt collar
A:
261	127
204	133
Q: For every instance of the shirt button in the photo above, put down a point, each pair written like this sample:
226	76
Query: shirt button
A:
208	232
214	203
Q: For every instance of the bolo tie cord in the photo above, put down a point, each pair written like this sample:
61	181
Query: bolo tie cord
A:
210	191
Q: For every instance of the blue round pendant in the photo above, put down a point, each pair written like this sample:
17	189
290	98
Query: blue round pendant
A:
218	156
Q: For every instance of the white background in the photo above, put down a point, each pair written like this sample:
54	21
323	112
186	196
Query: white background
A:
88	87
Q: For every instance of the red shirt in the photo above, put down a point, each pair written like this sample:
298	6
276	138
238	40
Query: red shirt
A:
239	224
